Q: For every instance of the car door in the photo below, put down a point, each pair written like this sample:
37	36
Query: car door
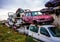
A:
35	32
27	17
44	35
30	31
26	29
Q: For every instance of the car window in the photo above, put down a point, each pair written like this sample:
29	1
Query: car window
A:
34	29
36	13
28	14
53	31
44	32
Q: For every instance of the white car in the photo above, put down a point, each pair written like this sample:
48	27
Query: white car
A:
23	30
45	33
9	23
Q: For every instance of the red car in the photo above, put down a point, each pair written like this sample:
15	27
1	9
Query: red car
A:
37	17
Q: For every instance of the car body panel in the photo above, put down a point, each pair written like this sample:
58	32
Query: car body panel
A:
39	18
42	37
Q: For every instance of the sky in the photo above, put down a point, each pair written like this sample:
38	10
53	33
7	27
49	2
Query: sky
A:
12	5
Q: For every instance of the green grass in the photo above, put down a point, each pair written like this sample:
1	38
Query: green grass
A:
29	39
9	35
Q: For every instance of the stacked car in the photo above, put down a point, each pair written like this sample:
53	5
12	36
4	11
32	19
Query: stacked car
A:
29	17
39	26
37	17
44	33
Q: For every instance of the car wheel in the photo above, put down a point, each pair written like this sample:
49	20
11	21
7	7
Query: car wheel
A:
34	22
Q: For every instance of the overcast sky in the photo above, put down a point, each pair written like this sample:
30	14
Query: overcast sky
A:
12	5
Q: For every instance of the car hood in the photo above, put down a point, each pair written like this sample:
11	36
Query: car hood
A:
42	17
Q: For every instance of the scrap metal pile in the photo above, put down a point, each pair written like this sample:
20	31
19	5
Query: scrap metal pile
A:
22	17
37	24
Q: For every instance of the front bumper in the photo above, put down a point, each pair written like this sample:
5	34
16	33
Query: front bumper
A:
45	20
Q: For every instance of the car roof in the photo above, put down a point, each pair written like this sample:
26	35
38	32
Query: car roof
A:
32	11
46	26
32	25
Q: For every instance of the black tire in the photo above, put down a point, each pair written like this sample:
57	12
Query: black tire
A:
34	22
3	23
26	34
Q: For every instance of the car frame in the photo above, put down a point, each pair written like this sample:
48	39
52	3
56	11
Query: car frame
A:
37	17
43	35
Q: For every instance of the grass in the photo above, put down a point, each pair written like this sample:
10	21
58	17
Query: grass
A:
30	39
9	35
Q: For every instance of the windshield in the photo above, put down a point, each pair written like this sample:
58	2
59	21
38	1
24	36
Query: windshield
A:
35	13
54	32
28	14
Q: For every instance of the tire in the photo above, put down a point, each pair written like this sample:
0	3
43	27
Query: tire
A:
34	22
